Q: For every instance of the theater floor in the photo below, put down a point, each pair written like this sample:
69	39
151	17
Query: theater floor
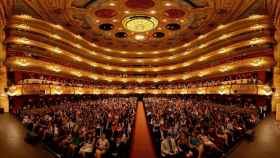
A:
12	145
265	144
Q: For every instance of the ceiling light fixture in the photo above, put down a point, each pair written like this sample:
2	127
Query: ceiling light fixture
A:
140	23
23	40
152	11
167	4
22	62
139	37
57	50
112	4
54	68
55	36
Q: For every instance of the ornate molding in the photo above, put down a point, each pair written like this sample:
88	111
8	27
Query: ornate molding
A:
53	10
273	8
18	90
29	64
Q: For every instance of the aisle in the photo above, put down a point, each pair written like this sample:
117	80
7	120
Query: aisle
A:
142	145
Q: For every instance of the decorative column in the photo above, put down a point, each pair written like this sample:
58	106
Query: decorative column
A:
273	9
4	101
276	77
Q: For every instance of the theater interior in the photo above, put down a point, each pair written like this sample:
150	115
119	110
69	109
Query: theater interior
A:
139	78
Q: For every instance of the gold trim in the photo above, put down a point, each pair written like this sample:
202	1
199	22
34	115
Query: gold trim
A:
18	90
64	31
211	55
265	62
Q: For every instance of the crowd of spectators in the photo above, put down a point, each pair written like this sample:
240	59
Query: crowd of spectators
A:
195	127
82	127
250	78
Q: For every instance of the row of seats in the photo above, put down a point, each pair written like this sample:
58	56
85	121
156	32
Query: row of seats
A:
80	127
197	128
245	78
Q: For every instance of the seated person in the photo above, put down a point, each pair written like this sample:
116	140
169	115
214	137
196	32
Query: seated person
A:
87	146
184	148
102	146
118	148
195	144
169	147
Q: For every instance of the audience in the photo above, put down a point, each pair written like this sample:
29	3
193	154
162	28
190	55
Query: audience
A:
193	126
196	128
84	127
250	78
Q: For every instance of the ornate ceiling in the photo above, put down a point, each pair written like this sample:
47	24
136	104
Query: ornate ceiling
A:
104	22
142	41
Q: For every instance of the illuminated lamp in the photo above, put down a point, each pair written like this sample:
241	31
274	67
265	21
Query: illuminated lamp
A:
112	4
140	80
201	91
186	64
256	41
266	90
140	23
23	26
255	16
152	11
257	62
256	27
171	57
202	58
155	52
55	36
78	46
223	50
94	77
77	58
54	68
23	40
155	60
22	62
78	37
202	46
225	68
77	73
224	37
24	16
221	26
57	50
57	26
139	37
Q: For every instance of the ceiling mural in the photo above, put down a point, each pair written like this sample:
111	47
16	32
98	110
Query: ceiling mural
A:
115	24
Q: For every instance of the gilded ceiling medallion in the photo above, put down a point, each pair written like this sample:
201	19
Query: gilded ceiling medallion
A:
140	23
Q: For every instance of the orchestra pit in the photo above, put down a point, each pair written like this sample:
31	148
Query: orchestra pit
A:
139	78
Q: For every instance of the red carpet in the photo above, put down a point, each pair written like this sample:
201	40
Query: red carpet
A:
142	145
